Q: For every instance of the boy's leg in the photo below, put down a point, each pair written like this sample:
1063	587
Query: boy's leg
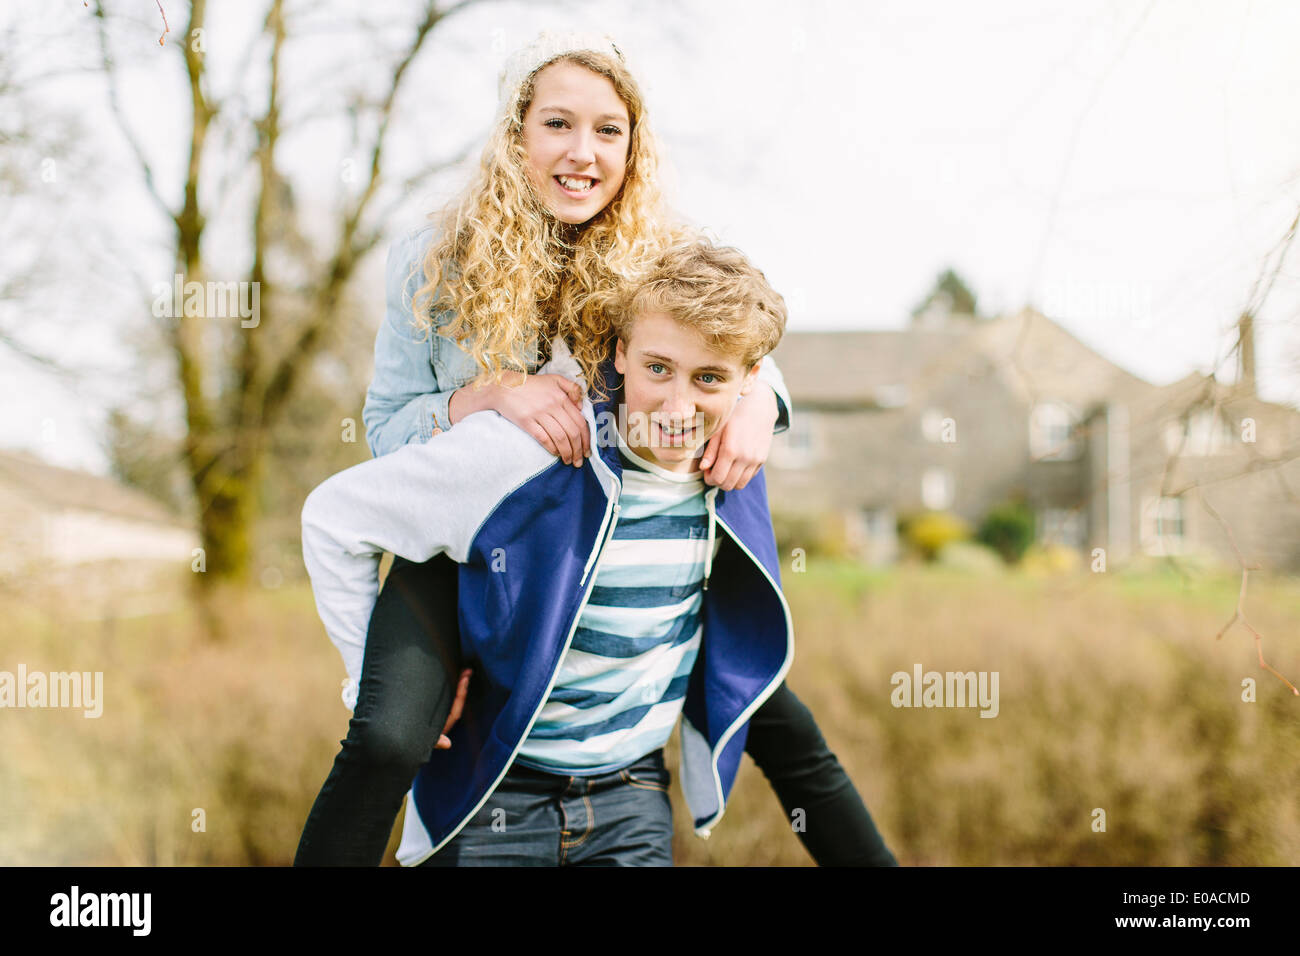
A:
789	748
407	687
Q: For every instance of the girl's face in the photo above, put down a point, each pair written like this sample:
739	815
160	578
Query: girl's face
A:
576	134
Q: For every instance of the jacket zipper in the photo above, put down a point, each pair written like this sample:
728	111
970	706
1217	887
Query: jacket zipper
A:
709	497
761	698
610	514
611	519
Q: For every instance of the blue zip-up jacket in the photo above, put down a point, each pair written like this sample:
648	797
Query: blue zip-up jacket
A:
529	531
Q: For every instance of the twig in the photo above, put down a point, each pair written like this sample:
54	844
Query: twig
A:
1240	612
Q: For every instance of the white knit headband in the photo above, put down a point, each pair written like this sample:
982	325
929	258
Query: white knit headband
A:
547	47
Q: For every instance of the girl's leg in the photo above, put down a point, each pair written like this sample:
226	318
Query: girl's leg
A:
407	687
787	746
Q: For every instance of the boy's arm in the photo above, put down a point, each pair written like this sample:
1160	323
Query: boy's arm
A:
421	500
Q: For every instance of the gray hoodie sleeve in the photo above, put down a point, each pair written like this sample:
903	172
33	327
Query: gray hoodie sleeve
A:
421	500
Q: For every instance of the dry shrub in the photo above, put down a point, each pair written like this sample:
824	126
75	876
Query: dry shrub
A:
1113	694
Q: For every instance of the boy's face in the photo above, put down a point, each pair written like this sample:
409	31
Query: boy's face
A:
677	391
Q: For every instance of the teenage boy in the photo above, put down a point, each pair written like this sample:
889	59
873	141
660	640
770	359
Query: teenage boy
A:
596	604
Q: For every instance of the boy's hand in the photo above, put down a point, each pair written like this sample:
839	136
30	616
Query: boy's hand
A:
548	407
457	705
734	454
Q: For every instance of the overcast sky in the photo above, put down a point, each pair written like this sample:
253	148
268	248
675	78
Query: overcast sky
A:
1124	166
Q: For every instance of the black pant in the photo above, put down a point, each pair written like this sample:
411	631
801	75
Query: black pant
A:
407	687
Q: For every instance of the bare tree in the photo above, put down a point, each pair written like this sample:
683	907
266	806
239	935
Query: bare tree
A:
236	391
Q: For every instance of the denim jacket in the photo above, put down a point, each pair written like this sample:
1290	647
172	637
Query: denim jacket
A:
415	377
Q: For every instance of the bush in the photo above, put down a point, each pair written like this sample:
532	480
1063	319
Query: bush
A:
928	532
1009	530
971	557
819	535
1051	559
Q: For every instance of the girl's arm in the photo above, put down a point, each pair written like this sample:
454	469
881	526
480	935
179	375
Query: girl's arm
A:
405	401
419	387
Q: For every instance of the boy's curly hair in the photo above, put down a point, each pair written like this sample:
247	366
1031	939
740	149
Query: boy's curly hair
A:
714	290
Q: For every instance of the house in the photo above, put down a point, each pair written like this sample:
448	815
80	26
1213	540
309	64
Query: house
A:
74	528
960	414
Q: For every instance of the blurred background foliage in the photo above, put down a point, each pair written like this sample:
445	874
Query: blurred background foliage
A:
1114	694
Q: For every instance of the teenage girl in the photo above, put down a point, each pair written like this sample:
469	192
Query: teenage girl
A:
565	210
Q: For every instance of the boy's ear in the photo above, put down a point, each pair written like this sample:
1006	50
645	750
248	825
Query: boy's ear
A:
750	378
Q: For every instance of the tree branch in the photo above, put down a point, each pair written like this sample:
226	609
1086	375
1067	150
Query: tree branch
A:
115	106
349	247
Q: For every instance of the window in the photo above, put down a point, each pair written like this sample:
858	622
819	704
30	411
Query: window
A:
876	535
1207	434
1063	526
891	396
796	447
1050	432
1162	525
932	425
937	489
1199	434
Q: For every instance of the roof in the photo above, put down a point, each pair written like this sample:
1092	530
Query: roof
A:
853	367
57	487
1031	354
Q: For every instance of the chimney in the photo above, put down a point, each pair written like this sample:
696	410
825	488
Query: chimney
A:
1246	354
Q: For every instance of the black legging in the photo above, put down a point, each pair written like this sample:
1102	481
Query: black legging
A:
407	687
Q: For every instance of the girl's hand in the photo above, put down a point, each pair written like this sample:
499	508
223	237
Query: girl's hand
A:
548	407
734	455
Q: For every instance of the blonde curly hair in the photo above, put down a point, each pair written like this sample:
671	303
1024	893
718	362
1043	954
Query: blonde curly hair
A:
513	274
713	290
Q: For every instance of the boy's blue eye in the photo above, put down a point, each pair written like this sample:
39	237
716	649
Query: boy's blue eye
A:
709	375
656	368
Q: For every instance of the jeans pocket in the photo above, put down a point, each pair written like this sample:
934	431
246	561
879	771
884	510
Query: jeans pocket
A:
647	774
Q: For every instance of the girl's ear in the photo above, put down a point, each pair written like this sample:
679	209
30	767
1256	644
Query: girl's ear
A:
620	357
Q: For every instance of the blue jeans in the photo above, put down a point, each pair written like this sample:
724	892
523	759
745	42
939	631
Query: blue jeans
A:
622	818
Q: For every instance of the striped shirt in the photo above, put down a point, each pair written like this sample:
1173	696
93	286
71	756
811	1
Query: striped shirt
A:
621	685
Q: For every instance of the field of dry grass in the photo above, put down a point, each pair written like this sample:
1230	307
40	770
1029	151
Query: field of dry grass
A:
1114	694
